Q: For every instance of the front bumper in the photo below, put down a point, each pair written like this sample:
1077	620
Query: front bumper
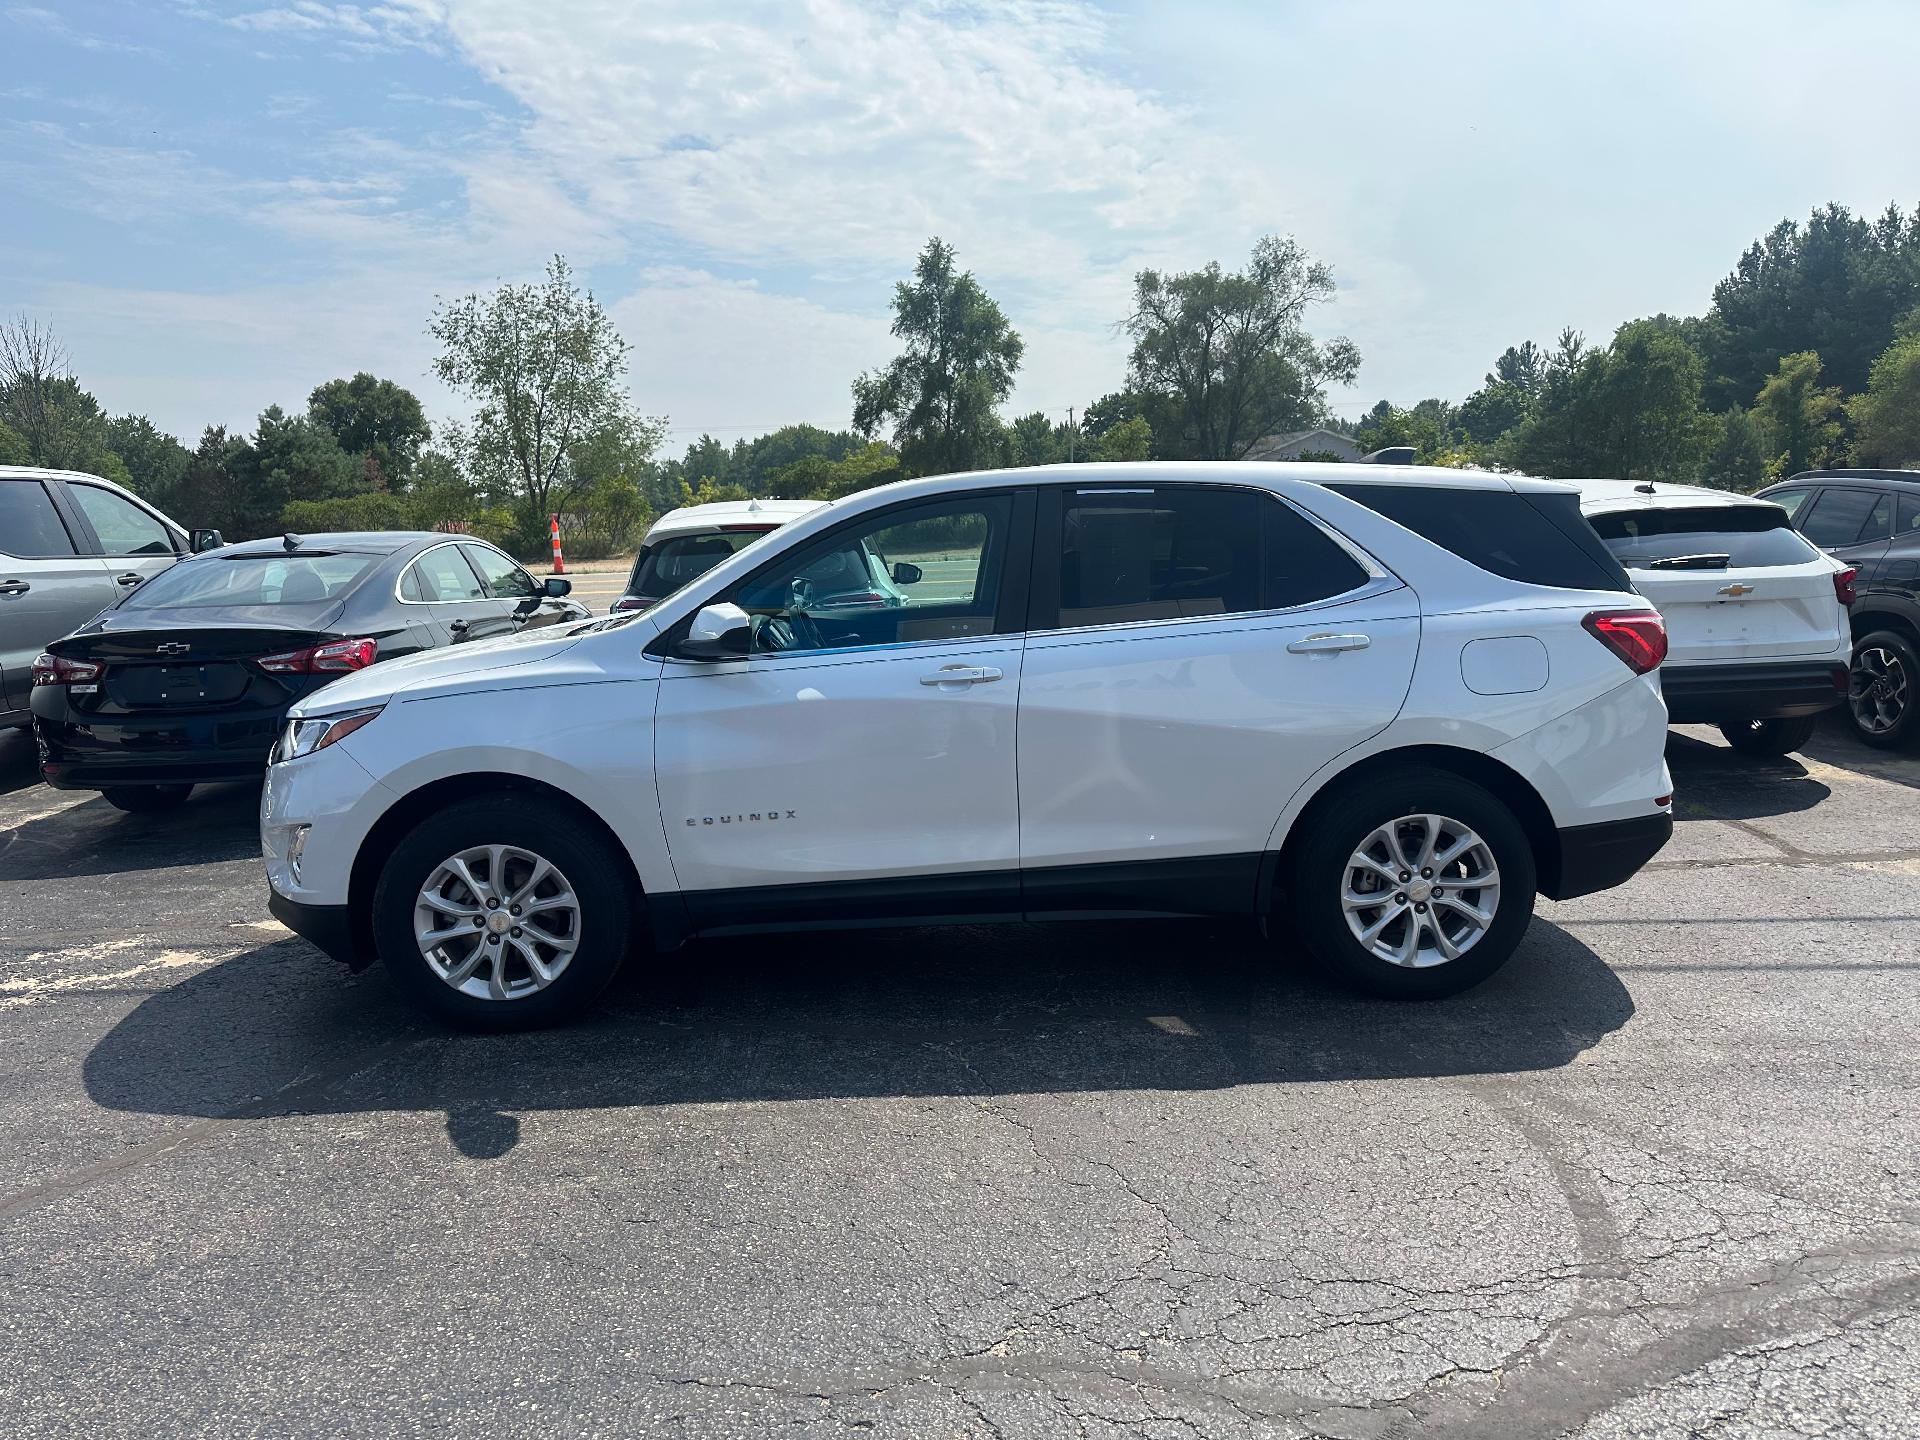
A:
1777	690
328	926
1599	857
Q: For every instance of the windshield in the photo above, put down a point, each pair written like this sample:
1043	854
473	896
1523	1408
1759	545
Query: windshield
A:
306	579
663	567
1703	536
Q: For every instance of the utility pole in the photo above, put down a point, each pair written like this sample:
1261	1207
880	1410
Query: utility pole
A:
1070	435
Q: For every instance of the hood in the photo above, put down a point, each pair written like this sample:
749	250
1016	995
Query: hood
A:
477	666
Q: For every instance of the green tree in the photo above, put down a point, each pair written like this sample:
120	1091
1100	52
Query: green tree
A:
942	393
818	478
1494	409
545	368
752	461
1036	440
1736	457
1523	366
1226	352
1631	411
1422	427
13	446
1886	418
295	459
1130	439
374	420
1799	416
155	461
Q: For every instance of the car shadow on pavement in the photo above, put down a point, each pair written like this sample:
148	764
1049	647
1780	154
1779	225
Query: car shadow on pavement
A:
19	761
953	1012
216	823
1713	782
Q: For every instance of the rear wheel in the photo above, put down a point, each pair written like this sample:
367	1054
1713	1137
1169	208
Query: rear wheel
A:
503	914
1769	737
140	799
1881	690
1412	885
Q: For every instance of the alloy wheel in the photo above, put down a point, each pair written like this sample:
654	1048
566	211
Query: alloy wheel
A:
1877	690
497	922
1420	891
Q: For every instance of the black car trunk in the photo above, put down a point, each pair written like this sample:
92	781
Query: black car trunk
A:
191	659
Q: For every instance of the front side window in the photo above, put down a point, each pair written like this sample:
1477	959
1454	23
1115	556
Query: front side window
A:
30	527
1176	553
1790	501
123	527
927	572
441	575
504	579
1844	517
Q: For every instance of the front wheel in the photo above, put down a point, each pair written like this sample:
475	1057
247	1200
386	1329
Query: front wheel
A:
1880	690
143	799
1412	885
1769	737
503	913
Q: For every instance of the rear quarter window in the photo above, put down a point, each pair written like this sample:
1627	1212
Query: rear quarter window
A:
1702	537
1537	539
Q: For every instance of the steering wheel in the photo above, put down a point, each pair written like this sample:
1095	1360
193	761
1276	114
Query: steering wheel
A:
792	631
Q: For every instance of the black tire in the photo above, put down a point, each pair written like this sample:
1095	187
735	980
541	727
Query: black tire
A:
1334	831
143	799
1769	737
602	924
1883	690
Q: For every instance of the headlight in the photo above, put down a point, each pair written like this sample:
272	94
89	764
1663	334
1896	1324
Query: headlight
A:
304	734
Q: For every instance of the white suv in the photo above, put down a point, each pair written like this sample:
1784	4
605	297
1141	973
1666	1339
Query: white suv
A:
1374	709
1756	613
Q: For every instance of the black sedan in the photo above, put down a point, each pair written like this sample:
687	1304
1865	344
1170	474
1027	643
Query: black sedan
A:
188	678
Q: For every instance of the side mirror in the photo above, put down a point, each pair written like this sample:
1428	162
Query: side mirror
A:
201	541
905	574
557	586
719	632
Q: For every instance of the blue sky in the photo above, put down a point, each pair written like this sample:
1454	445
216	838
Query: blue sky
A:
220	203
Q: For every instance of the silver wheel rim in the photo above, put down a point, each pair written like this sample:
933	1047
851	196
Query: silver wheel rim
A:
497	922
1877	690
1420	891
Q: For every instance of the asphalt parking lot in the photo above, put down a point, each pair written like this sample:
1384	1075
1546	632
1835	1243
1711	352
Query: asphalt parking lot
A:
1660	1178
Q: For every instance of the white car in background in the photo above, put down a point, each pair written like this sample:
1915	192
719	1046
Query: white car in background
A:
1374	709
686	543
1757	633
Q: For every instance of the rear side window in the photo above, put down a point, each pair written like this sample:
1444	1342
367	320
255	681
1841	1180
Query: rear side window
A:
30	527
1908	524
1537	539
441	575
1173	554
1704	537
1848	517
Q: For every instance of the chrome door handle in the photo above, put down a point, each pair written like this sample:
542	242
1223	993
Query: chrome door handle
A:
961	675
1329	644
14	587
130	578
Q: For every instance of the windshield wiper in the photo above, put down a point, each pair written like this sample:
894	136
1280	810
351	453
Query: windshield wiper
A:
1690	562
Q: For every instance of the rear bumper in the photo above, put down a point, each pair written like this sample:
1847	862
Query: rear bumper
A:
80	750
1781	690
1599	857
327	926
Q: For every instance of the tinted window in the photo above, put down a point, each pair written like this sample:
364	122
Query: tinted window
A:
1907	523
253	580
1848	517
664	566
1789	500
1162	555
30	527
123	527
443	575
1300	564
1706	537
506	580
1537	539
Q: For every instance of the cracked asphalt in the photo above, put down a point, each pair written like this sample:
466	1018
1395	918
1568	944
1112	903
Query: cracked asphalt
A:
1658	1179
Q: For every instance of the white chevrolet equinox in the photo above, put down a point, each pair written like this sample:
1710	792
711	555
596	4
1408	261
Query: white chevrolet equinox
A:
1374	708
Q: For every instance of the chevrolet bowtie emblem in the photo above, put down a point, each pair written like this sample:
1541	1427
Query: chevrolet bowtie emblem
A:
1736	591
172	647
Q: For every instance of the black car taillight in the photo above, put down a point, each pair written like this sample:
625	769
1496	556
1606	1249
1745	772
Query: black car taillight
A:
1639	637
59	670
333	658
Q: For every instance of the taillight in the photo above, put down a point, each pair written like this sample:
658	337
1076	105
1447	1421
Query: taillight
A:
58	670
1843	587
331	658
1638	637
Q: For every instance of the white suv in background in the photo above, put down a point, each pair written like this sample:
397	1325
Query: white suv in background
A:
1374	709
1756	614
